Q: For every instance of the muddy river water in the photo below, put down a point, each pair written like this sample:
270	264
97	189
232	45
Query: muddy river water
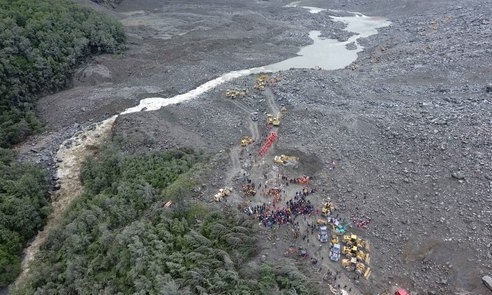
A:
328	54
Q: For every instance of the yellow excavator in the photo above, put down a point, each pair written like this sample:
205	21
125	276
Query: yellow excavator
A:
283	159
274	121
246	140
235	93
327	207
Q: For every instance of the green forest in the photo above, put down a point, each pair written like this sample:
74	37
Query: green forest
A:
118	238
23	211
41	43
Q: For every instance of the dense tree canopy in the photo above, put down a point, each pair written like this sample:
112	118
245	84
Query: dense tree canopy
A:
41	43
23	210
118	238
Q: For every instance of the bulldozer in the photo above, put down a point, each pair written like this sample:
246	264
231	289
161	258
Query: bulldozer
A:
349	263
350	240
246	140
364	244
363	257
223	192
363	270
283	159
235	93
276	120
327	207
349	252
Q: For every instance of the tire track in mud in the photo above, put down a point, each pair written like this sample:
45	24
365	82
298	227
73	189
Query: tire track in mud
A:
253	126
270	98
235	168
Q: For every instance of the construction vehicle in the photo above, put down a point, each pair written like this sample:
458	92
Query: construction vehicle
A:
341	228
364	244
254	116
327	207
284	160
362	257
323	234
349	263
261	82
335	252
276	120
350	240
362	270
349	252
269	119
223	192
353	240
235	93
246	140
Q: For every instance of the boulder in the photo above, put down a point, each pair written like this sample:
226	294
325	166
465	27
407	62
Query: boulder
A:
92	74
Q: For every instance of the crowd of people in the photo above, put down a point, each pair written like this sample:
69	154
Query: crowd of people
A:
288	214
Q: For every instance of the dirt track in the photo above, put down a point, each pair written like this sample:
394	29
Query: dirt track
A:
402	136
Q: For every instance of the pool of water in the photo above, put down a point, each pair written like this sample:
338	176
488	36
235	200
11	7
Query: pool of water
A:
331	54
324	53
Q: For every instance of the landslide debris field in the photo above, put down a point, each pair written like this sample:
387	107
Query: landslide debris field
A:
402	137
